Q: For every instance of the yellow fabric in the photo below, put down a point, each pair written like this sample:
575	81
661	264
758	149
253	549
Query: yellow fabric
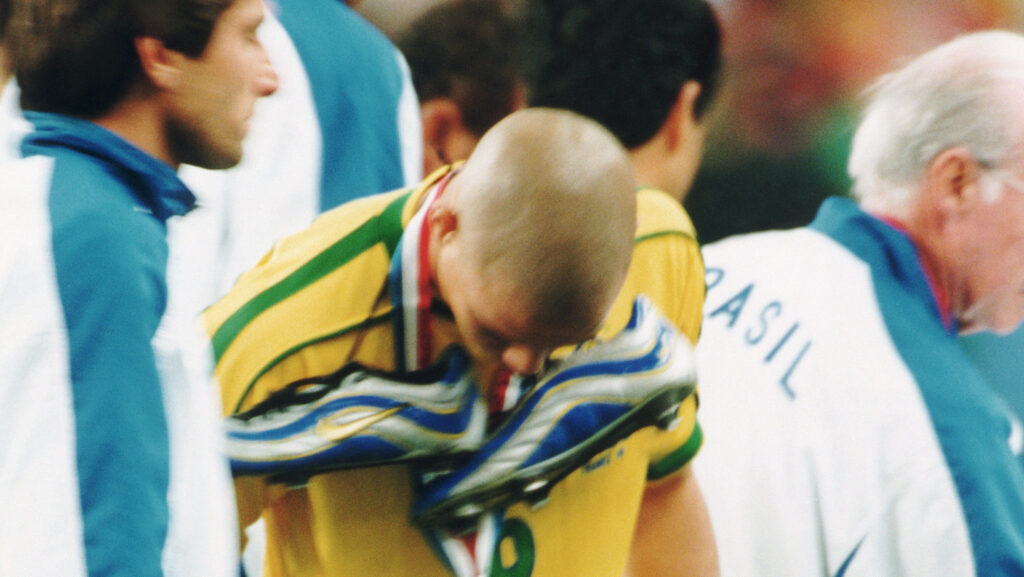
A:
666	266
356	523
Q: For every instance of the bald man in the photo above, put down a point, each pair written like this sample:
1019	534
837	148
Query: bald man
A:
495	255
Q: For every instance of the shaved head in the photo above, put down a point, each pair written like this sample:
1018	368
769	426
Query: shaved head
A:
547	205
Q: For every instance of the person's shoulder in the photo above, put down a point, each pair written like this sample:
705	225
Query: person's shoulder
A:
76	191
98	215
369	37
774	241
79	182
355	226
345	24
367	207
659	213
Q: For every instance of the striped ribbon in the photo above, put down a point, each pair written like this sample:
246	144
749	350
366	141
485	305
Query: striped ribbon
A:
467	554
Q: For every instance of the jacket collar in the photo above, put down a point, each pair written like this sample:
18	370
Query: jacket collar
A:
887	249
156	182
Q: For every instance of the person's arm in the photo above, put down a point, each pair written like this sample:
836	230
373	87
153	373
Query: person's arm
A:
673	533
112	299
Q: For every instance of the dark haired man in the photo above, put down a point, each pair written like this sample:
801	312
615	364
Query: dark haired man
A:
110	463
462	54
647	71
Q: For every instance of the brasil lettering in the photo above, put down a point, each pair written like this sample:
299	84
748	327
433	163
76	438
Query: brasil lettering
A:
759	324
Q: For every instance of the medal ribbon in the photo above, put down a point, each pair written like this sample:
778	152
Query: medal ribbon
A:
409	282
468	555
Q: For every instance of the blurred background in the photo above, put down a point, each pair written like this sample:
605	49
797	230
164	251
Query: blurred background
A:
779	135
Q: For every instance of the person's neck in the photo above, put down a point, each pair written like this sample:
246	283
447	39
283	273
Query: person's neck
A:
944	285
930	252
141	123
649	170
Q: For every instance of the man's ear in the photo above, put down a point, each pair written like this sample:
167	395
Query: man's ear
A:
442	122
440	116
955	178
682	117
442	217
160	64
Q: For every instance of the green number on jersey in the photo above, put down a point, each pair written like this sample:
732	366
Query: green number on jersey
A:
519	536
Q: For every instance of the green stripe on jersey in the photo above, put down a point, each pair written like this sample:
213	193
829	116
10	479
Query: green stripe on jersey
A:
386	227
656	234
678	458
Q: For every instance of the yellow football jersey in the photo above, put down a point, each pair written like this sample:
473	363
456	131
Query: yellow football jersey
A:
319	300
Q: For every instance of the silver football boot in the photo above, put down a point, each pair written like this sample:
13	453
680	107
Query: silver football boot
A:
597	396
359	418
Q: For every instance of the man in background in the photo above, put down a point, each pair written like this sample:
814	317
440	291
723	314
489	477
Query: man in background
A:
464	62
848	432
343	124
648	72
112	461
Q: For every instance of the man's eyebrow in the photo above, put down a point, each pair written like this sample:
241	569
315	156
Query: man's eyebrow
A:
490	333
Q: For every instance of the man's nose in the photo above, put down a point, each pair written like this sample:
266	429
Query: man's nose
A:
267	82
523	360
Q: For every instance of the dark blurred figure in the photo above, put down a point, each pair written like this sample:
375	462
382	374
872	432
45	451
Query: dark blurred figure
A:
647	71
794	70
462	55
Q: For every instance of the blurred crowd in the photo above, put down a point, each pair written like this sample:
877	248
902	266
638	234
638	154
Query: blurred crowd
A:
795	74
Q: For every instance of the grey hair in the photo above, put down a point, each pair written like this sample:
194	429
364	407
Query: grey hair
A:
960	94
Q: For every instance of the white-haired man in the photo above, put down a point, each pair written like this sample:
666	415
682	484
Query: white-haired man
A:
847	432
